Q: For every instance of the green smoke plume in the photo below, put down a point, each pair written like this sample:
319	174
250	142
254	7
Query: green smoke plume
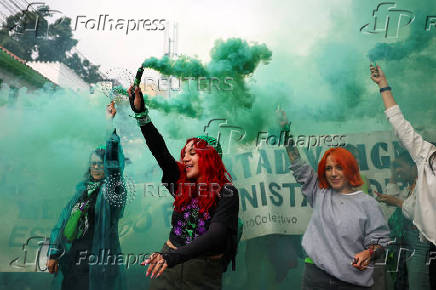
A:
232	62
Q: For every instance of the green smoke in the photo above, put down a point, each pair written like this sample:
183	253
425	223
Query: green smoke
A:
220	88
47	136
418	40
410	63
182	67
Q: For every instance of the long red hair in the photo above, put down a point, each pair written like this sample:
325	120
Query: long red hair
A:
348	164
212	173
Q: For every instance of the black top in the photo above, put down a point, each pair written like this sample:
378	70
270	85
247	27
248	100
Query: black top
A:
193	233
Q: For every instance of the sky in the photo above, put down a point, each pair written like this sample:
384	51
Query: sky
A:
200	23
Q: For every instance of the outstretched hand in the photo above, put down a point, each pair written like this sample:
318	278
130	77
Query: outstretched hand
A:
282	118
136	99
388	199
111	111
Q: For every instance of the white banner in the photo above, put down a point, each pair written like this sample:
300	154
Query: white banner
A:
271	201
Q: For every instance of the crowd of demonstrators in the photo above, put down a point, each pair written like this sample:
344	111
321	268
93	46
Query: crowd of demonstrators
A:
89	224
203	238
347	231
419	171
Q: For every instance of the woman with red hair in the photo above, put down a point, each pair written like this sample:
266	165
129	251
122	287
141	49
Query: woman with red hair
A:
347	225
203	238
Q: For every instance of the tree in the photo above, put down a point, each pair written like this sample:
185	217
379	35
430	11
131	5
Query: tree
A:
29	35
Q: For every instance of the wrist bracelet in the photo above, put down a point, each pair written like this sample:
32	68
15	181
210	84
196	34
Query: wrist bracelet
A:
385	89
142	118
371	251
142	121
140	115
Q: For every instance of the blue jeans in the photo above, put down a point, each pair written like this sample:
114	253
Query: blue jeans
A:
316	279
416	261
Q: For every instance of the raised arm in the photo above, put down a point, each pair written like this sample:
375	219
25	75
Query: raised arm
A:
418	148
378	76
154	140
285	125
114	157
303	172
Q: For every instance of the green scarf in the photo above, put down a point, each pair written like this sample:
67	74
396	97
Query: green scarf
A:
79	214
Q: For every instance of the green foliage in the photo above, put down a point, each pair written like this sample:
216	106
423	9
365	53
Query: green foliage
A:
29	35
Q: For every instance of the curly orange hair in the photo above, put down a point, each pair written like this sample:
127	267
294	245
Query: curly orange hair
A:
347	162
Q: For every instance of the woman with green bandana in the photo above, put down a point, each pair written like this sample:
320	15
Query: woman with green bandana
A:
203	238
85	241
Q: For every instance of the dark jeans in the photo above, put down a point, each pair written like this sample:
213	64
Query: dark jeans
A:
316	279
432	267
199	273
76	271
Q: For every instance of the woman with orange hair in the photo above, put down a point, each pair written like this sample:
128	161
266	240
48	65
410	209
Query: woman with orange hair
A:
203	238
347	225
